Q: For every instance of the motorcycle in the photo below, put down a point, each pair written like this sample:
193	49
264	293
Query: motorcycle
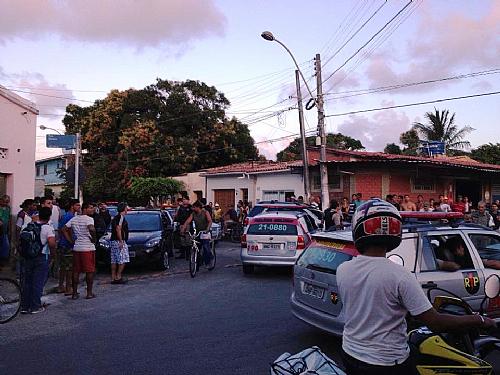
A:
452	353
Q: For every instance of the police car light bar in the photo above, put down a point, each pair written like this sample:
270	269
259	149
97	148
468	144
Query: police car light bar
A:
431	215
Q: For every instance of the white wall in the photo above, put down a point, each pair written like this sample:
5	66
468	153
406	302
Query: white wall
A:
18	136
255	184
279	181
231	182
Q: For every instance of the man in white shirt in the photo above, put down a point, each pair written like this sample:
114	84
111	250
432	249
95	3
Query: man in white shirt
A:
377	294
36	269
82	228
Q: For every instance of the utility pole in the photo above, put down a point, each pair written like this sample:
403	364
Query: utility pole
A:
323	169
305	159
77	165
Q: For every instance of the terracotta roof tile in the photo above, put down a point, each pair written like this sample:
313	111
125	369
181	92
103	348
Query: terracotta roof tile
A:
253	167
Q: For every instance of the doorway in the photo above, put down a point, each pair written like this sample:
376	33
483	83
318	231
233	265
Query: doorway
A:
469	188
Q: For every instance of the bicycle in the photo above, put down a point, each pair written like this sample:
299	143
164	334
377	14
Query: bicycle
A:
195	256
10	299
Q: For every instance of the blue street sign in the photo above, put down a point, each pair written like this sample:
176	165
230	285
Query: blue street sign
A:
61	141
432	148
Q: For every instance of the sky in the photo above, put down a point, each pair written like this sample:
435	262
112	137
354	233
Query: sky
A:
56	52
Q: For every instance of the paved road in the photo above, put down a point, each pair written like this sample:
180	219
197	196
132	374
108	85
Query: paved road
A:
218	323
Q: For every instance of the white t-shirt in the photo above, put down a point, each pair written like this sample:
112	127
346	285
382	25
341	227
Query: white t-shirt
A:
376	294
445	207
79	224
46	232
56	215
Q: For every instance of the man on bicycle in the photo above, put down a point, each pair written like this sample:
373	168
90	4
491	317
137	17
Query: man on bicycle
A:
203	223
377	294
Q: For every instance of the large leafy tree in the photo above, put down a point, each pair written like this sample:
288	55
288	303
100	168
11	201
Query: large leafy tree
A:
441	127
165	129
337	140
488	153
392	148
153	190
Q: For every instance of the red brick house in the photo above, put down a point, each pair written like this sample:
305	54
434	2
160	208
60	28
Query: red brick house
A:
379	174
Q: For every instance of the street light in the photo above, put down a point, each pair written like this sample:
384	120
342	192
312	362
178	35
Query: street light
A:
267	35
43	127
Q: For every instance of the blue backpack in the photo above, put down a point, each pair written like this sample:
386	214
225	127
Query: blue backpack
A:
30	241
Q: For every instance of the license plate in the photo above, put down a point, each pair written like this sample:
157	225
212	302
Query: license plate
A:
313	290
131	254
273	246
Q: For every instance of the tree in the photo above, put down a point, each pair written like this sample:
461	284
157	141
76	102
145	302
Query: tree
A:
441	127
488	153
338	141
411	141
165	129
392	148
154	190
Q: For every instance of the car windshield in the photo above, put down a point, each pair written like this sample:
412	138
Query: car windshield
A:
143	222
272	229
323	259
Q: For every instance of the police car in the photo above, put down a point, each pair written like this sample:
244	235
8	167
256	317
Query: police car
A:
423	251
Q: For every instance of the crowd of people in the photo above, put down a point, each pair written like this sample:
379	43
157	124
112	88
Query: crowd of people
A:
67	237
339	214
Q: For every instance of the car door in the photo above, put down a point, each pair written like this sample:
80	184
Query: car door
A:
466	282
487	246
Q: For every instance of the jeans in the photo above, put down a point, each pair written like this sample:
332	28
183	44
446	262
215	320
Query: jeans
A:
4	246
354	366
35	272
207	255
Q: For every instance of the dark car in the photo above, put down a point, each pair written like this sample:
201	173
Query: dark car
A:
150	238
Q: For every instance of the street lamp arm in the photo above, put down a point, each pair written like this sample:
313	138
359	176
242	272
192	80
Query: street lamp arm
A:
298	68
43	127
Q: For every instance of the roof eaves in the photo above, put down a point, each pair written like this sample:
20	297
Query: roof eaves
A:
19	100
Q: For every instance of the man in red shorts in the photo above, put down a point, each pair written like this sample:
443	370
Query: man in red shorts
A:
82	228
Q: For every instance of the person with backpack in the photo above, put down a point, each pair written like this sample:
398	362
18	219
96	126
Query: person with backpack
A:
37	245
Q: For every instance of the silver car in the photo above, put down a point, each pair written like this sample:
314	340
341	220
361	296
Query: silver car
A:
315	298
274	239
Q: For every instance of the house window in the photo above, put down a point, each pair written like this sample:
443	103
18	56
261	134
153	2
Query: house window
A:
334	182
37	170
45	169
244	195
423	184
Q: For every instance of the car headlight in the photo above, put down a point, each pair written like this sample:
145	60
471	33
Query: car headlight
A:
153	242
104	243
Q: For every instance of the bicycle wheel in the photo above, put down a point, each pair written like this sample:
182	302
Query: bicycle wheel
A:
211	265
193	261
10	300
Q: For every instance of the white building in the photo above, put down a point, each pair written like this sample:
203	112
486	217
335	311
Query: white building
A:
18	118
253	182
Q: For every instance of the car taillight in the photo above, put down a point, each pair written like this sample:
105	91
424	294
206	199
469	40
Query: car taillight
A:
245	222
243	240
301	244
493	307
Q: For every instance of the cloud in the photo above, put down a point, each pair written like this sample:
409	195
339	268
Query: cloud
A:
374	133
444	43
130	22
50	98
270	149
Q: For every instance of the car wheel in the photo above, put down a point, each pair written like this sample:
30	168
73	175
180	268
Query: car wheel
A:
164	261
248	269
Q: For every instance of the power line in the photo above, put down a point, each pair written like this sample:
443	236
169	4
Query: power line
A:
369	40
354	34
414	104
410	84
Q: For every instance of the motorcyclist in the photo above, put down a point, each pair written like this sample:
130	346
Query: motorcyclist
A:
377	294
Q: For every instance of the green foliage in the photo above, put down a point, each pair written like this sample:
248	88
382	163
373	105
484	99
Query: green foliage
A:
48	192
441	127
392	148
155	190
165	129
488	153
337	140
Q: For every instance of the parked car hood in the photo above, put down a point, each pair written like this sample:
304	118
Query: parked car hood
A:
135	238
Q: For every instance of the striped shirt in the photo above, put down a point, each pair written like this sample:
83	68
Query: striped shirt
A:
79	224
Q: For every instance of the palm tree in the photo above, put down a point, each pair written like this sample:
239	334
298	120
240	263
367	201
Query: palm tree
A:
441	127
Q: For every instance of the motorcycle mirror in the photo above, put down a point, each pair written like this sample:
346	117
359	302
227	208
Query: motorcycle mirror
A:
396	258
492	286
